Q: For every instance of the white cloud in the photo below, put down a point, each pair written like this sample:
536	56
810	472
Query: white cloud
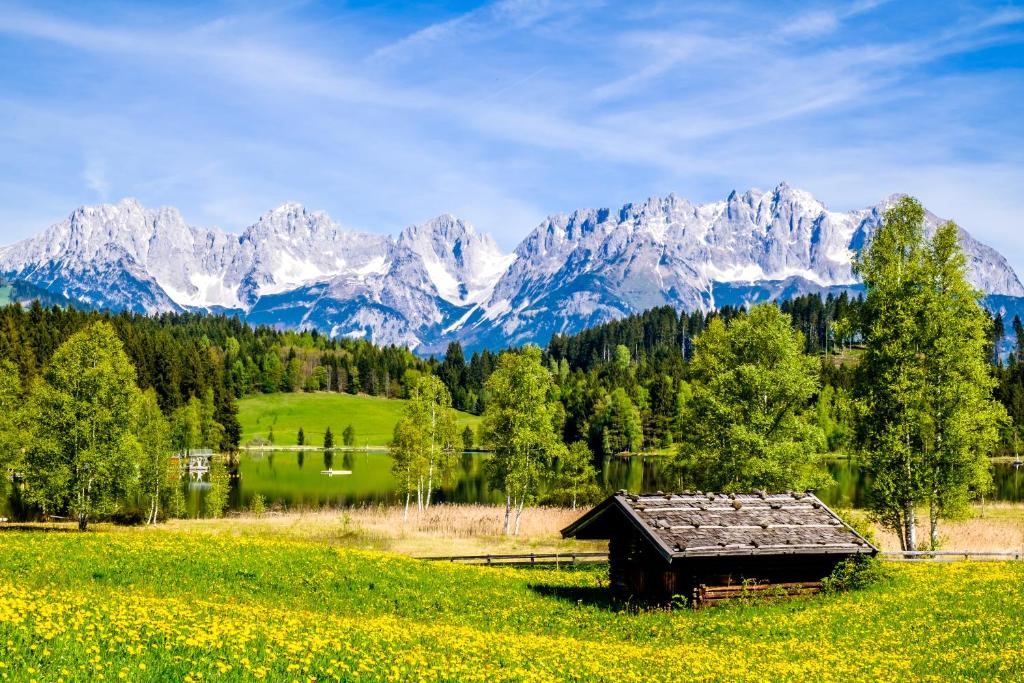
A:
510	111
95	176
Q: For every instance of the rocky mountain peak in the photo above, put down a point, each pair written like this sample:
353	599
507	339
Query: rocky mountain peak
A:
443	279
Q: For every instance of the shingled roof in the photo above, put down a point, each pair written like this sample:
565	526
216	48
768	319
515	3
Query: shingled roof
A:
710	524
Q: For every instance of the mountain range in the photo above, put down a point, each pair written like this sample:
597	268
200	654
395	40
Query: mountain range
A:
443	280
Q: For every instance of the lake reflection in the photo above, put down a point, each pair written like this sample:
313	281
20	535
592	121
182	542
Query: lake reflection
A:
293	479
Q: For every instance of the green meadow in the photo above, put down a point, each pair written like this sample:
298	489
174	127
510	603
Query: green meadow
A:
372	417
153	605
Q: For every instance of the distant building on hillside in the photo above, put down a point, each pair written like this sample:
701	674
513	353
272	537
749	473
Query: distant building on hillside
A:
706	546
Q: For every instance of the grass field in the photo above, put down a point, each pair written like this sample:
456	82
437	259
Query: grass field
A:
154	605
373	418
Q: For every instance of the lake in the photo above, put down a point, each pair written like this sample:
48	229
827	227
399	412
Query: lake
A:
293	479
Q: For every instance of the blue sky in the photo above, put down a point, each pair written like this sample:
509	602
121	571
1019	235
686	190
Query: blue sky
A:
386	115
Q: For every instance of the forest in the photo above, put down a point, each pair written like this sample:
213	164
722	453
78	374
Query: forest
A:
620	383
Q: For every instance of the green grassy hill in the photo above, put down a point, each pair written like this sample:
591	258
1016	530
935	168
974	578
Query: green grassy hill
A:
373	418
152	605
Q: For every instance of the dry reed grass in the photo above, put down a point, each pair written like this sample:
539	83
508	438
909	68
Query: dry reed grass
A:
441	530
994	527
476	529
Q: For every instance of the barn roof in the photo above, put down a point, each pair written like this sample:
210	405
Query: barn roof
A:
710	524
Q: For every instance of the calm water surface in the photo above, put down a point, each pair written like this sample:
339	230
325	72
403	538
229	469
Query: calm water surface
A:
294	479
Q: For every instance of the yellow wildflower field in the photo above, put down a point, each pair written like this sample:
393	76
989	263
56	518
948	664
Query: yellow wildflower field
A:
152	605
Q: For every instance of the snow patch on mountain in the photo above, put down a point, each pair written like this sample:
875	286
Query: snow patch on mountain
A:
444	280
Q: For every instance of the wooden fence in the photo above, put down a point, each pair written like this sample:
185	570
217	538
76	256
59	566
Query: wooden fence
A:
602	557
531	558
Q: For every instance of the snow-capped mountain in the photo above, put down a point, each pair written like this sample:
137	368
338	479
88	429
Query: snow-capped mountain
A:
579	269
442	280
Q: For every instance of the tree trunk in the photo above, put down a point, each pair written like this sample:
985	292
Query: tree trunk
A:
897	524
933	519
156	503
519	513
83	521
408	495
508	511
910	524
430	482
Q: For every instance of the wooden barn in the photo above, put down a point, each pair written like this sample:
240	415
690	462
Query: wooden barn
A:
707	546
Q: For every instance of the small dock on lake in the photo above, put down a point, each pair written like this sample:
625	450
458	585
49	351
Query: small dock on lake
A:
195	462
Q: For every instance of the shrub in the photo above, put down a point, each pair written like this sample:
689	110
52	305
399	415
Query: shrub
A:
257	504
853	573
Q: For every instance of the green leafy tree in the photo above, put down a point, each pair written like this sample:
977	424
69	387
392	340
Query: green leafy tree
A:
83	451
187	426
272	372
212	431
468	438
962	423
11	414
424	444
576	479
215	502
892	380
293	375
156	469
520	424
348	436
618	423
743	423
405	455
301	438
834	415
926	418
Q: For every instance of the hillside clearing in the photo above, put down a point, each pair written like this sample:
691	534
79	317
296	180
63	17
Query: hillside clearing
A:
151	604
372	417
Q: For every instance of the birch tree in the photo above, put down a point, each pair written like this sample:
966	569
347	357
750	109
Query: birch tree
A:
405	450
156	469
425	441
927	418
576	479
520	425
891	382
962	422
83	452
